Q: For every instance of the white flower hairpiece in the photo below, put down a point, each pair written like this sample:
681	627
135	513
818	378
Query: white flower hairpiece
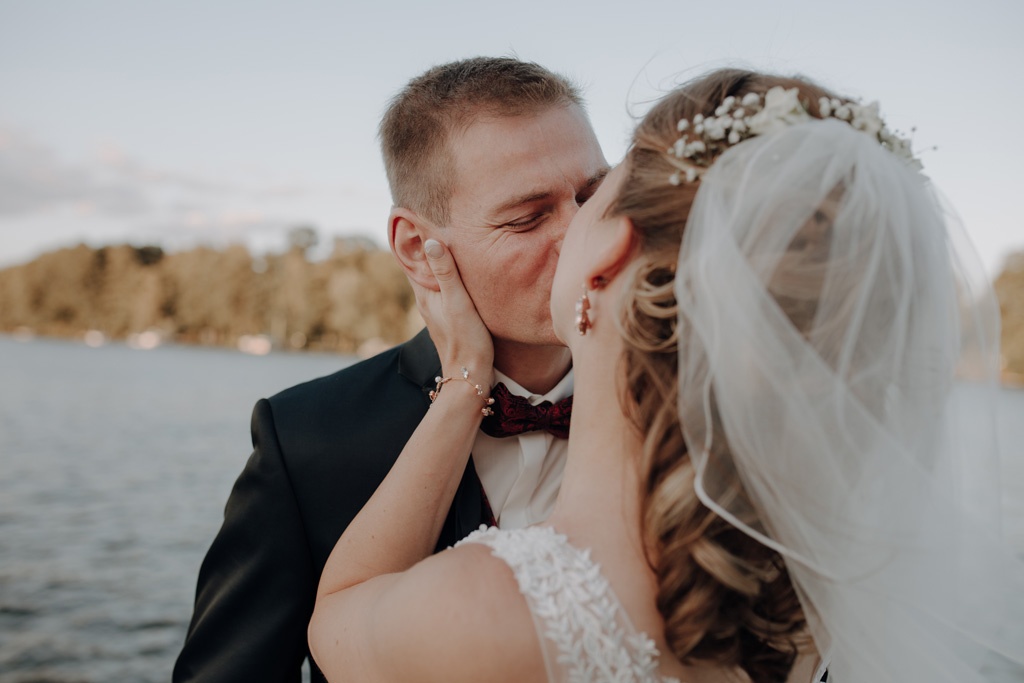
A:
704	138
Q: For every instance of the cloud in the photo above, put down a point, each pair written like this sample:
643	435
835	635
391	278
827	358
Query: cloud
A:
107	196
33	178
113	159
36	179
215	222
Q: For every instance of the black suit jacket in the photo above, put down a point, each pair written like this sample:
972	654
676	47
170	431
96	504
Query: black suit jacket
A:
320	451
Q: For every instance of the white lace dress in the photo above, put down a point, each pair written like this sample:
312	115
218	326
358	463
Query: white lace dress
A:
585	634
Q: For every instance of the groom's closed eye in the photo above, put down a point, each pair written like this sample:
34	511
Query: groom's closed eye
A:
540	205
527	222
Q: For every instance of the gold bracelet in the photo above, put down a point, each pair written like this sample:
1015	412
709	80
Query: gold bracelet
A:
441	381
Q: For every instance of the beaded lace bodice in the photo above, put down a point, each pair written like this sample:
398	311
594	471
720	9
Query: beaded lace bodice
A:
585	634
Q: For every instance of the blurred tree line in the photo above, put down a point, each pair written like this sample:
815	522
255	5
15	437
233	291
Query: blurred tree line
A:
355	300
1010	290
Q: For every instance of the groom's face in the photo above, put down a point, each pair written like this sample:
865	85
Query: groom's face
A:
518	183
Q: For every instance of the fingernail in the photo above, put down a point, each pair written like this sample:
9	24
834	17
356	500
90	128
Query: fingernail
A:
433	248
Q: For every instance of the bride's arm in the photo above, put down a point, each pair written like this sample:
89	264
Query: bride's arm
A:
402	521
455	617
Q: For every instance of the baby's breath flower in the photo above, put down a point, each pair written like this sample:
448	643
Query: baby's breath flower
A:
726	105
777	109
782	108
715	129
866	118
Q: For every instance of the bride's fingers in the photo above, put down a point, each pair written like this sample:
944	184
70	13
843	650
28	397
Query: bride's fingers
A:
454	323
442	265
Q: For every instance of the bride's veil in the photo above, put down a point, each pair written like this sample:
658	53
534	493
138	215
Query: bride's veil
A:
839	358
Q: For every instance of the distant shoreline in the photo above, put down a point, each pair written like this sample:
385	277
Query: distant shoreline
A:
356	301
182	343
1008	380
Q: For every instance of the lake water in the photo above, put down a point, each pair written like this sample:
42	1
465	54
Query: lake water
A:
116	464
114	468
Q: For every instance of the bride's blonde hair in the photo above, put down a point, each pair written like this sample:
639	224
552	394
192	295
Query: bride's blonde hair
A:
726	599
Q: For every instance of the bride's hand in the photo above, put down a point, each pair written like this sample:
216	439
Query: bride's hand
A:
454	324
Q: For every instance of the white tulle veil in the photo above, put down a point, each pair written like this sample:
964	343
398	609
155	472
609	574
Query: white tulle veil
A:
839	355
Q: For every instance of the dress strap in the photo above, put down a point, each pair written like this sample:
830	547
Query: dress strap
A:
584	633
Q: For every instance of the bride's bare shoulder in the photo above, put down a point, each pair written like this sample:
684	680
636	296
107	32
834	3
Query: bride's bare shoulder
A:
458	616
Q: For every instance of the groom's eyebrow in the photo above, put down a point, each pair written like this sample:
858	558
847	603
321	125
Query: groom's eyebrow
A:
531	197
595	179
528	198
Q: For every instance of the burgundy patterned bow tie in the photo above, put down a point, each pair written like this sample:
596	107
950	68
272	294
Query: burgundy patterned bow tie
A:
514	415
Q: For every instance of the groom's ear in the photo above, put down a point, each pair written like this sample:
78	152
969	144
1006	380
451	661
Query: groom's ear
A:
407	232
619	248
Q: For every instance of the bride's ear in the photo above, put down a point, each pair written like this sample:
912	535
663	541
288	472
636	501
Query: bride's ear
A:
618	251
407	232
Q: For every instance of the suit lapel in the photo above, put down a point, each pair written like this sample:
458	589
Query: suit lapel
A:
418	361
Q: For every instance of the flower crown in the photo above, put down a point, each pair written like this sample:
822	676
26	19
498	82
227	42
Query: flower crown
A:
704	138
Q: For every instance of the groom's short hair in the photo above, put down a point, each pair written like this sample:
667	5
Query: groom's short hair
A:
422	118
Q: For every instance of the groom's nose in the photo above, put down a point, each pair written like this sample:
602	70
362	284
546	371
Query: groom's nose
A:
565	217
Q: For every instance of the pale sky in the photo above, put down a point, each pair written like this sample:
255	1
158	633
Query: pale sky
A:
186	122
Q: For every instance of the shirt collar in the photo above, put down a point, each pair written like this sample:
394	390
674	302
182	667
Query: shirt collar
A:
561	390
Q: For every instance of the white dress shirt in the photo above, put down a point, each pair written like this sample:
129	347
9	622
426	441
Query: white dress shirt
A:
521	474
